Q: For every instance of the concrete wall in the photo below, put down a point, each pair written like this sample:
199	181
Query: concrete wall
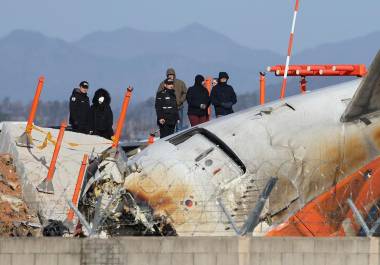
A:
189	251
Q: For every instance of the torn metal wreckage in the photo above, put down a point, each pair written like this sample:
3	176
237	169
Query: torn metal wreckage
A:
210	179
306	165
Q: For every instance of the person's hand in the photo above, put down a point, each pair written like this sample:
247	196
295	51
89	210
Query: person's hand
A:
162	121
203	106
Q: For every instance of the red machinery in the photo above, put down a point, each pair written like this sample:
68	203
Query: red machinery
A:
358	70
305	70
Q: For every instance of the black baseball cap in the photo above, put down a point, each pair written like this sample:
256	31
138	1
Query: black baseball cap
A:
169	81
84	84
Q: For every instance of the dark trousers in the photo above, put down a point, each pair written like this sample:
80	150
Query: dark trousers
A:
166	129
195	120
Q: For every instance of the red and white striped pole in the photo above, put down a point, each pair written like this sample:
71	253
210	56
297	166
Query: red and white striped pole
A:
290	47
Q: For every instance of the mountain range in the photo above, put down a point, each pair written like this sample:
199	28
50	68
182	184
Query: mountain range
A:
123	57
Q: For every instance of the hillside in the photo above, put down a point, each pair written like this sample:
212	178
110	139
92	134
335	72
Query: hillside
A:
118	58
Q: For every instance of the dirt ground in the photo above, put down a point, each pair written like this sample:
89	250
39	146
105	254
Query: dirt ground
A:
16	219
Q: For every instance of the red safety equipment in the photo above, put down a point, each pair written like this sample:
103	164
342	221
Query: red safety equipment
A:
358	70
303	70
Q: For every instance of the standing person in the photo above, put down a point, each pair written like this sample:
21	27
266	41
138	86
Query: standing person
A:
80	109
180	93
101	116
198	101
166	109
223	96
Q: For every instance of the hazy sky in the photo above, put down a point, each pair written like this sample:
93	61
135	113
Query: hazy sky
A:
256	24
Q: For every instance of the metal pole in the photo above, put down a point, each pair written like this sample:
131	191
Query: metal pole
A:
78	186
25	140
46	185
290	47
208	82
262	88
303	84
123	114
359	218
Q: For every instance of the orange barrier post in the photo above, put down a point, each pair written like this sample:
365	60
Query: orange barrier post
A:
151	138
208	82
25	140
123	114
78	186
46	185
303	83
262	88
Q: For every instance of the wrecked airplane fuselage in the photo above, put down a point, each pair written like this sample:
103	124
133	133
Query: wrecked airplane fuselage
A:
207	180
300	140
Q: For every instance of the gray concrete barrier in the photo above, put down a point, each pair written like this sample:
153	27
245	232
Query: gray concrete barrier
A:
189	251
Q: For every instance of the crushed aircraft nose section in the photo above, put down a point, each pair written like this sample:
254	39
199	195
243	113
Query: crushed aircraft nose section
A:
109	208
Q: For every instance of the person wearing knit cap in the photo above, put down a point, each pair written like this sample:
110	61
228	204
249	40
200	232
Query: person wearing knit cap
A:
180	93
198	101
223	96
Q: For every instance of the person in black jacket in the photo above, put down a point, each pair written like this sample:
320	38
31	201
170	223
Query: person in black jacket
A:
223	96
80	109
101	116
166	109
198	101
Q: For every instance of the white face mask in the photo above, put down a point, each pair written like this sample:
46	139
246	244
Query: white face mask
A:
101	100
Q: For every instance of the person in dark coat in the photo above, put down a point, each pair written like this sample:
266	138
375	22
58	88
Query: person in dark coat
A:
223	96
198	101
80	109
166	109
180	92
101	116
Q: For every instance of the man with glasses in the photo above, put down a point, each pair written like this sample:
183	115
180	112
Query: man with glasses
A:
80	109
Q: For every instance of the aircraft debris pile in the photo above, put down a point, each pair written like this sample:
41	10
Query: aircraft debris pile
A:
16	218
109	209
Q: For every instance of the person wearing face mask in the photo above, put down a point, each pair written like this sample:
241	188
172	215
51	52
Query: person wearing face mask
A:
198	101
80	108
101	116
223	96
